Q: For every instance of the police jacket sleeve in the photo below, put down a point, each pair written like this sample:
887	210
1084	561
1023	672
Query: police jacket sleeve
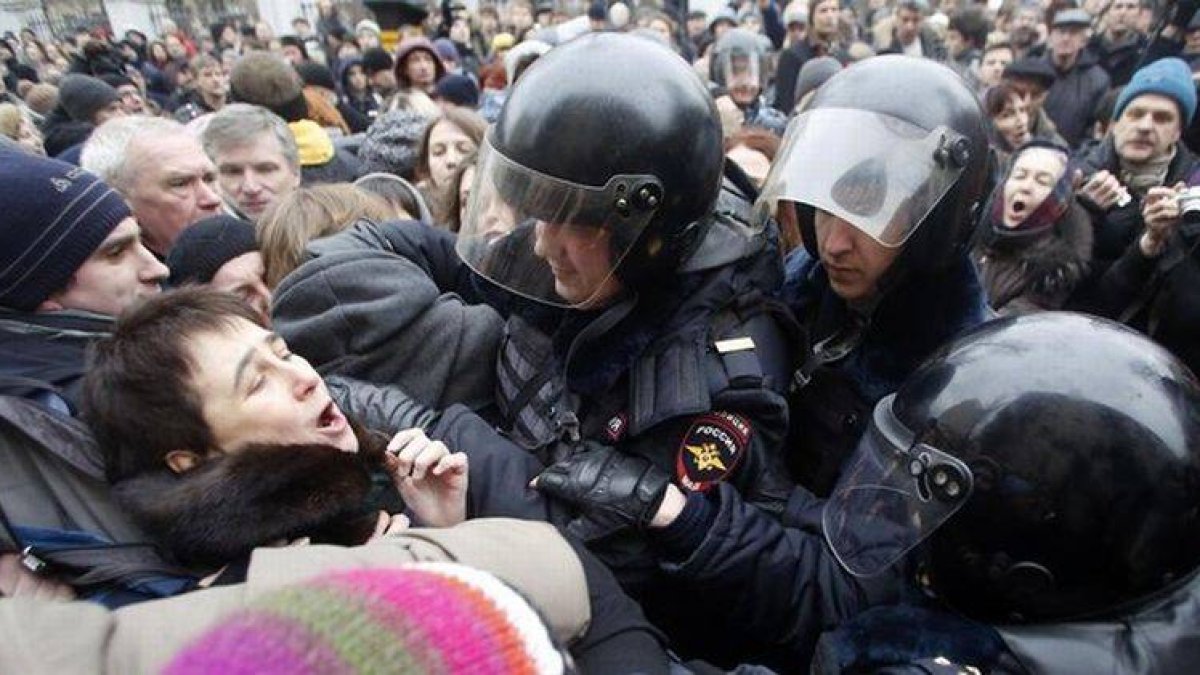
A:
775	579
385	408
499	471
619	639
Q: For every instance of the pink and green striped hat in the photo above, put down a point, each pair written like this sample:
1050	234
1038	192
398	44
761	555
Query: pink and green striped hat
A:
424	618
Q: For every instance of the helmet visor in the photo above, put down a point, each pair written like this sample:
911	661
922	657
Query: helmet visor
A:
551	240
894	493
740	68
879	173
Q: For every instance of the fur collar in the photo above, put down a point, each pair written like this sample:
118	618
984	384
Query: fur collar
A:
220	511
1037	272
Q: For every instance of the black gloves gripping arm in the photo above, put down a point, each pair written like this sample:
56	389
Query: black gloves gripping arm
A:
607	485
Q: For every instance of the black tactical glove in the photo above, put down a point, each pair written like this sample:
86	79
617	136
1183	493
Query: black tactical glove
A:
607	485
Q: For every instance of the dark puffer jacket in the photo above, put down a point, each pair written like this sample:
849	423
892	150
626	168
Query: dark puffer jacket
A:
1074	96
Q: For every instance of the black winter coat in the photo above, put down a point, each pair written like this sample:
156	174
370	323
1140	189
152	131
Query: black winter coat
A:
49	348
1074	96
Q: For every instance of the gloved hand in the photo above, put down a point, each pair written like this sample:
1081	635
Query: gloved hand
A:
607	484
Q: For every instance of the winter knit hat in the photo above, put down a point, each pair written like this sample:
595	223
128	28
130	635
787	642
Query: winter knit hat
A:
424	618
375	60
200	251
459	90
316	75
57	215
1168	77
391	142
446	49
82	96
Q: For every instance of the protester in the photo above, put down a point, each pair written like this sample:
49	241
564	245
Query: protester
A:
222	252
255	155
1080	82
71	261
418	66
1034	242
162	171
446	142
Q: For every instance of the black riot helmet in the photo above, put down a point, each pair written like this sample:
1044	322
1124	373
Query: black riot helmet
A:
895	146
739	54
1051	462
610	139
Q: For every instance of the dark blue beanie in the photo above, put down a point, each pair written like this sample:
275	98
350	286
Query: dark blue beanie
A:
55	216
1168	77
202	249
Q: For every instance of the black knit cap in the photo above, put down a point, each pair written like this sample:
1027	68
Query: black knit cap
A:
55	217
375	60
316	75
82	96
202	249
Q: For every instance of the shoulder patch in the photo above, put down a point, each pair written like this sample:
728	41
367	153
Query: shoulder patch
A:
711	449
614	428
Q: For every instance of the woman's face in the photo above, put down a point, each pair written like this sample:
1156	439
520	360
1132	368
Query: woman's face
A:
447	147
254	391
357	79
824	20
1032	178
464	192
1013	122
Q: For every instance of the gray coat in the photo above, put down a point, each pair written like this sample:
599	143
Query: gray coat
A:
359	310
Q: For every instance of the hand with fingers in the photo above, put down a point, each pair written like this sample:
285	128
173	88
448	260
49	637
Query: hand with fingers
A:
1104	190
390	524
1160	213
18	582
431	479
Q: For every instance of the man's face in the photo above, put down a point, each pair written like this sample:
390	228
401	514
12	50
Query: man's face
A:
581	261
173	184
368	39
521	16
420	69
853	260
131	99
1067	41
696	26
1147	129
293	54
796	32
118	275
1122	16
460	31
244	276
991	67
956	44
212	81
255	175
742	79
825	18
1191	43
908	25
301	29
254	391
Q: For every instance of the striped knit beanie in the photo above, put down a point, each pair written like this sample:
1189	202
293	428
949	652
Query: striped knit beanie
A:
55	216
424	618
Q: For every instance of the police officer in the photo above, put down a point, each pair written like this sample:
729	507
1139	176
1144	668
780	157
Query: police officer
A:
885	194
740	69
639	325
1050	464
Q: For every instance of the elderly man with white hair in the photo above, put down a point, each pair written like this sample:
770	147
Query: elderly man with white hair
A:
160	169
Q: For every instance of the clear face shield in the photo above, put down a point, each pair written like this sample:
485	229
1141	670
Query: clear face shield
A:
741	70
894	493
881	174
550	240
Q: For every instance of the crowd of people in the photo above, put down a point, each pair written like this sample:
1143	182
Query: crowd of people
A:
818	337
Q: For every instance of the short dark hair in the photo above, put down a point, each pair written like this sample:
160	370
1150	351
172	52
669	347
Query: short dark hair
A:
973	24
136	394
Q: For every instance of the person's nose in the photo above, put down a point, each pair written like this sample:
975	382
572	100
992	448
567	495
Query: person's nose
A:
548	239
304	378
839	239
151	269
207	196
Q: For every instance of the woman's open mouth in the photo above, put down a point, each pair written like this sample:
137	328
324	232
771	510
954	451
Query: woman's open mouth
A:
331	420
